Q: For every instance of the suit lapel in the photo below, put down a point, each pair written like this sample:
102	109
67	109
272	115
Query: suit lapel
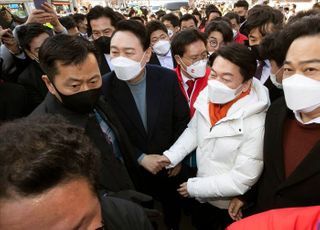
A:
125	101
153	94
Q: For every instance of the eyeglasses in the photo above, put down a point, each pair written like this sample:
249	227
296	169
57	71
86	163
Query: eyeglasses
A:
203	56
214	43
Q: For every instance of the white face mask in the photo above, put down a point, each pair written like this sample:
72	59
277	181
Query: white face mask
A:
302	94
161	47
125	68
273	78
197	69
219	93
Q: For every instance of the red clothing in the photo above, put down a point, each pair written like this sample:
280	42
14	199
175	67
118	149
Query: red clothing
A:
217	111
200	84
285	218
240	38
298	141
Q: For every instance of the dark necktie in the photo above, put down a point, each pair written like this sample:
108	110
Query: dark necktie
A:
190	84
259	69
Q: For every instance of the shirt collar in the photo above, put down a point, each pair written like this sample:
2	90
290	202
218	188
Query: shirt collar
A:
298	117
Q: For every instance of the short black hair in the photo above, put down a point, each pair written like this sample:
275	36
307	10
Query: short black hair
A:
137	29
210	8
214	11
306	26
30	31
241	56
154	26
79	17
184	38
38	153
188	17
222	27
232	15
261	15
138	18
272	48
68	22
302	14
242	3
98	12
172	18
69	50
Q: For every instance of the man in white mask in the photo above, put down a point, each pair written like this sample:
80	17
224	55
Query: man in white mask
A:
160	43
151	108
292	132
227	133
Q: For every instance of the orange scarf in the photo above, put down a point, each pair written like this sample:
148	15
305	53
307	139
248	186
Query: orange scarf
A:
218	111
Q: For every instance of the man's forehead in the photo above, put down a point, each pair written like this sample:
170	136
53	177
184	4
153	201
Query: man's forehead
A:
304	49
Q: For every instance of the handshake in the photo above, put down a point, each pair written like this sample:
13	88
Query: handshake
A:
155	163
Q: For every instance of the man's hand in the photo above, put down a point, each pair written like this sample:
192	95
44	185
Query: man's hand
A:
9	40
234	209
183	189
175	171
39	16
154	163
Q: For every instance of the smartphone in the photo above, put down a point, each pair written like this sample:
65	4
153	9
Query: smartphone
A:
38	3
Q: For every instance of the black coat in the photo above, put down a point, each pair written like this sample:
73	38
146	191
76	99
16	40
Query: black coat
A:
274	92
103	64
167	109
113	174
302	187
120	214
31	79
167	117
155	61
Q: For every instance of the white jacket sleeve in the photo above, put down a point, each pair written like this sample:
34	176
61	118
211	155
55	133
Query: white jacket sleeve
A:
244	174
185	144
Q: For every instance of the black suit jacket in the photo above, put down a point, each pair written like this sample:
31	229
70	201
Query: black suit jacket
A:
302	187
113	174
167	109
274	92
31	79
155	61
103	64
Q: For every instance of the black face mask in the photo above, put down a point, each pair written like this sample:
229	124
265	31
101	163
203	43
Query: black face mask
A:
82	102
242	19
103	44
255	50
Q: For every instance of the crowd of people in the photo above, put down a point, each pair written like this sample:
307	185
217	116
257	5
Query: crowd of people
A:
111	121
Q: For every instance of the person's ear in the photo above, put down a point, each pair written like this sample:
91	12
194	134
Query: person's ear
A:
246	85
178	59
148	54
49	85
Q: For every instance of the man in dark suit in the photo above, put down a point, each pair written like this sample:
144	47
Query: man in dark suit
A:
263	20
292	131
101	24
74	83
149	103
160	43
